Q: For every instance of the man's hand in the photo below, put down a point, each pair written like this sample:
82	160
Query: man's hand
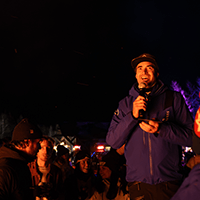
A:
193	161
139	104
152	127
120	151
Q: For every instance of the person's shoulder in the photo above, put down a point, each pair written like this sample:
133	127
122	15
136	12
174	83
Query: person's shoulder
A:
177	95
55	168
129	96
7	166
125	105
5	162
126	100
194	176
196	169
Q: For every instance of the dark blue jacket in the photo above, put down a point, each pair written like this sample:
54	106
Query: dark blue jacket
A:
190	188
152	158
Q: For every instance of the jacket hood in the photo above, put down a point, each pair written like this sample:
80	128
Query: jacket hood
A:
7	152
157	89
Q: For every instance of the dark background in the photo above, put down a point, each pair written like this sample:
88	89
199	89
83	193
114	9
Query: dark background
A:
70	60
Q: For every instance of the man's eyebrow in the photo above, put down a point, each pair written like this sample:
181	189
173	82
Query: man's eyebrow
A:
150	66
147	66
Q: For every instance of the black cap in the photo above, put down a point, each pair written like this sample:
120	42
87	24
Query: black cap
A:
144	57
26	130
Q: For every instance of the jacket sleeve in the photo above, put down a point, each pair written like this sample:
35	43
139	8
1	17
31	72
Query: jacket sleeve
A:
190	187
121	125
180	130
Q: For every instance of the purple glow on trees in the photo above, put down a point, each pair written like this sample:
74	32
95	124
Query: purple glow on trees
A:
192	100
191	97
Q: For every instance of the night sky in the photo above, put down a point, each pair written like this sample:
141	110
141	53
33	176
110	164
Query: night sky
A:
70	60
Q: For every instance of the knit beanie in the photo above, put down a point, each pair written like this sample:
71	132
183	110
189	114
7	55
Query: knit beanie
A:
196	134
80	156
61	150
26	130
111	160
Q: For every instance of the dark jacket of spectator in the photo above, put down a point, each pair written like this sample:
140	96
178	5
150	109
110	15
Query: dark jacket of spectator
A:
54	179
13	166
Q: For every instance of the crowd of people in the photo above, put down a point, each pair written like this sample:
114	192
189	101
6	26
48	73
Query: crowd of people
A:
31	169
146	136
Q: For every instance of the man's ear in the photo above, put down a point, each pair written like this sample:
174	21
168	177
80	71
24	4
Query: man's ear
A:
157	74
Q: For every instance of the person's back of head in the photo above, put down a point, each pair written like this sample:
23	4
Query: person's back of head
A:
61	150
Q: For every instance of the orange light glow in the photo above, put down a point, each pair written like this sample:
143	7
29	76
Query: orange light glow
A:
100	147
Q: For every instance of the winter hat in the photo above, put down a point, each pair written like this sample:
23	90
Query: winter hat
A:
196	135
80	156
26	130
144	57
111	160
62	150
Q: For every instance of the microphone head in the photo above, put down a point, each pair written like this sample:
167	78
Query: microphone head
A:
142	85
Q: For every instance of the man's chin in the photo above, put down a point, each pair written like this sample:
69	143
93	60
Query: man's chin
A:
86	171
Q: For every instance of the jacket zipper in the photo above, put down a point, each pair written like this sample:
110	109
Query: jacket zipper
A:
150	149
150	156
143	137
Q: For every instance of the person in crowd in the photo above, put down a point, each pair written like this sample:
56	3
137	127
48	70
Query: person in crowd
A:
110	184
15	177
122	168
46	177
62	161
154	123
80	184
190	188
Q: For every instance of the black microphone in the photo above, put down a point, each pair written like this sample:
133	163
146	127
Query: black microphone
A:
142	87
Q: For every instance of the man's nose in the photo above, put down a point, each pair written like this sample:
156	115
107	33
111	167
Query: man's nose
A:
145	70
86	164
46	150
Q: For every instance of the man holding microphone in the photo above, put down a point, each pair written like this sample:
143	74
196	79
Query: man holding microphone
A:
154	123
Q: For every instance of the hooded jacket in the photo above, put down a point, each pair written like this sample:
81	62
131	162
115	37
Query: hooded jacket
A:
152	158
15	177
